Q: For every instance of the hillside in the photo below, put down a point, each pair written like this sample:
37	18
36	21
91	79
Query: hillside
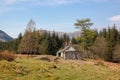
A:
5	37
37	69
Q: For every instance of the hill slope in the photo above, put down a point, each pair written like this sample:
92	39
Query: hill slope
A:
36	69
5	37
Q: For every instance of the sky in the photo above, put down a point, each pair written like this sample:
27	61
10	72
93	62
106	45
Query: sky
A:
57	15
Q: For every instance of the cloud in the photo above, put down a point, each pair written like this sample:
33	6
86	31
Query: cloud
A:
47	2
39	2
7	2
13	2
97	0
13	35
115	18
8	5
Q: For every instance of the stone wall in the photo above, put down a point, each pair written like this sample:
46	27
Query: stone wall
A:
74	55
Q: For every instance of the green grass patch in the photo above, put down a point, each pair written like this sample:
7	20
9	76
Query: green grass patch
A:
34	69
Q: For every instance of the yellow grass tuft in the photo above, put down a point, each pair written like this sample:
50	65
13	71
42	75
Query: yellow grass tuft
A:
9	56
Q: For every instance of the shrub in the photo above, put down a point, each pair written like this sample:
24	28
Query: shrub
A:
100	62
99	48
116	54
7	56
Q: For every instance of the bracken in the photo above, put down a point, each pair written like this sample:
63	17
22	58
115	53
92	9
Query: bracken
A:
9	56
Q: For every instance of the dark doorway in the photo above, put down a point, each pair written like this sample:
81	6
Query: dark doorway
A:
59	54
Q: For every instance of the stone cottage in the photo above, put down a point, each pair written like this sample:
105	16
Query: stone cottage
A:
69	52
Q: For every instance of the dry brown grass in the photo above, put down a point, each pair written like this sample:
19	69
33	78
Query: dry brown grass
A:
111	65
49	58
9	56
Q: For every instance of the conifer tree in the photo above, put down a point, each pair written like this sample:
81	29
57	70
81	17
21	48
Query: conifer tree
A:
87	35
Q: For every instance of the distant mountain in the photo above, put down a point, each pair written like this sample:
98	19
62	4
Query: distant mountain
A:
70	34
5	37
73	34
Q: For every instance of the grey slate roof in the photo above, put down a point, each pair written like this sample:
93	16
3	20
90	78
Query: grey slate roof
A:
67	49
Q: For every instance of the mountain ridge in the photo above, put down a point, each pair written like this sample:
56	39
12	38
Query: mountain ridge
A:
4	37
70	34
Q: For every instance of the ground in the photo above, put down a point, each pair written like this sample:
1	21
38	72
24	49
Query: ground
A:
47	68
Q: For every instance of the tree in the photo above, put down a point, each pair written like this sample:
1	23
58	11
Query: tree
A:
112	37
42	43
116	53
19	37
31	26
112	42
74	41
99	48
49	43
104	33
29	41
87	34
83	24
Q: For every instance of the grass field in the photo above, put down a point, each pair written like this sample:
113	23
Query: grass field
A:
36	69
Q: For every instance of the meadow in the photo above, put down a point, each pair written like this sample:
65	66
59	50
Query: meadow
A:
34	68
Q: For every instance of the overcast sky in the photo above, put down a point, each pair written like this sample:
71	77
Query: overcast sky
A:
58	15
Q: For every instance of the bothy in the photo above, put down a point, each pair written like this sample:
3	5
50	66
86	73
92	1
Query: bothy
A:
69	52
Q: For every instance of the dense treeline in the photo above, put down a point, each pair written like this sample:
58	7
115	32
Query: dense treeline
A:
11	46
104	44
36	42
111	44
41	43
